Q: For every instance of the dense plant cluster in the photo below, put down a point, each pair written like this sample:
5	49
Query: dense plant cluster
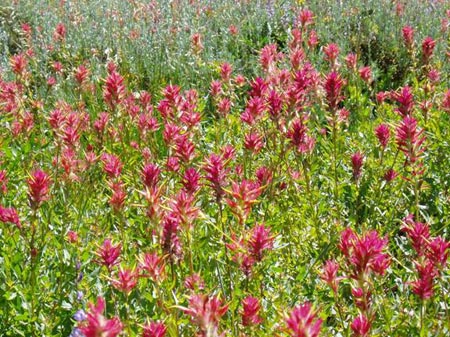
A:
306	197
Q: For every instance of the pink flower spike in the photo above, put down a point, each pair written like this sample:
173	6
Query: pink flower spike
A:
216	174
194	282
366	74
410	138
382	96
357	163
38	184
153	266
114	89
111	165
298	135
331	52
109	254
348	237
126	280
97	325
405	99
367	254
408	36
438	250
81	75
170	241
313	39
184	149
3	182
206	312
303	322
260	241
224	106
428	45
117	199
191	180
9	215
351	60
173	164
361	326
418	232
269	56
423	287
242	197
150	175
253	142
60	32
305	17
329	274
254	110
250	311
18	64
264	175
364	253
390	175
154	329
383	134
333	90
445	105
225	71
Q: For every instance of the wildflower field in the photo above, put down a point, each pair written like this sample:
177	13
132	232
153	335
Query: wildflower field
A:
224	168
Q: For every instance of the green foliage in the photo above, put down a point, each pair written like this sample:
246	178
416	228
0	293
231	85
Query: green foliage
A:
51	264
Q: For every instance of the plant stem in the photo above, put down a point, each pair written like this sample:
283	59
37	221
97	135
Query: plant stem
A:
188	237
423	309
219	219
336	183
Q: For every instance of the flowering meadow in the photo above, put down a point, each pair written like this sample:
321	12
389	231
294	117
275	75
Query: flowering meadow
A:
224	168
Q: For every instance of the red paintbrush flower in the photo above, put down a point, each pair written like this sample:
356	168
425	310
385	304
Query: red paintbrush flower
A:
111	165
428	45
170	241
114	89
38	185
305	17
216	174
260	240
364	253
154	329
81	75
357	163
153	266
109	254
250	311
191	179
383	134
408	36
60	32
329	274
331	52
333	90
150	175
253	142
126	280
117	200
298	135
97	325
303	322
361	326
405	99
9	215
206	312
423	287
410	139
242	197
